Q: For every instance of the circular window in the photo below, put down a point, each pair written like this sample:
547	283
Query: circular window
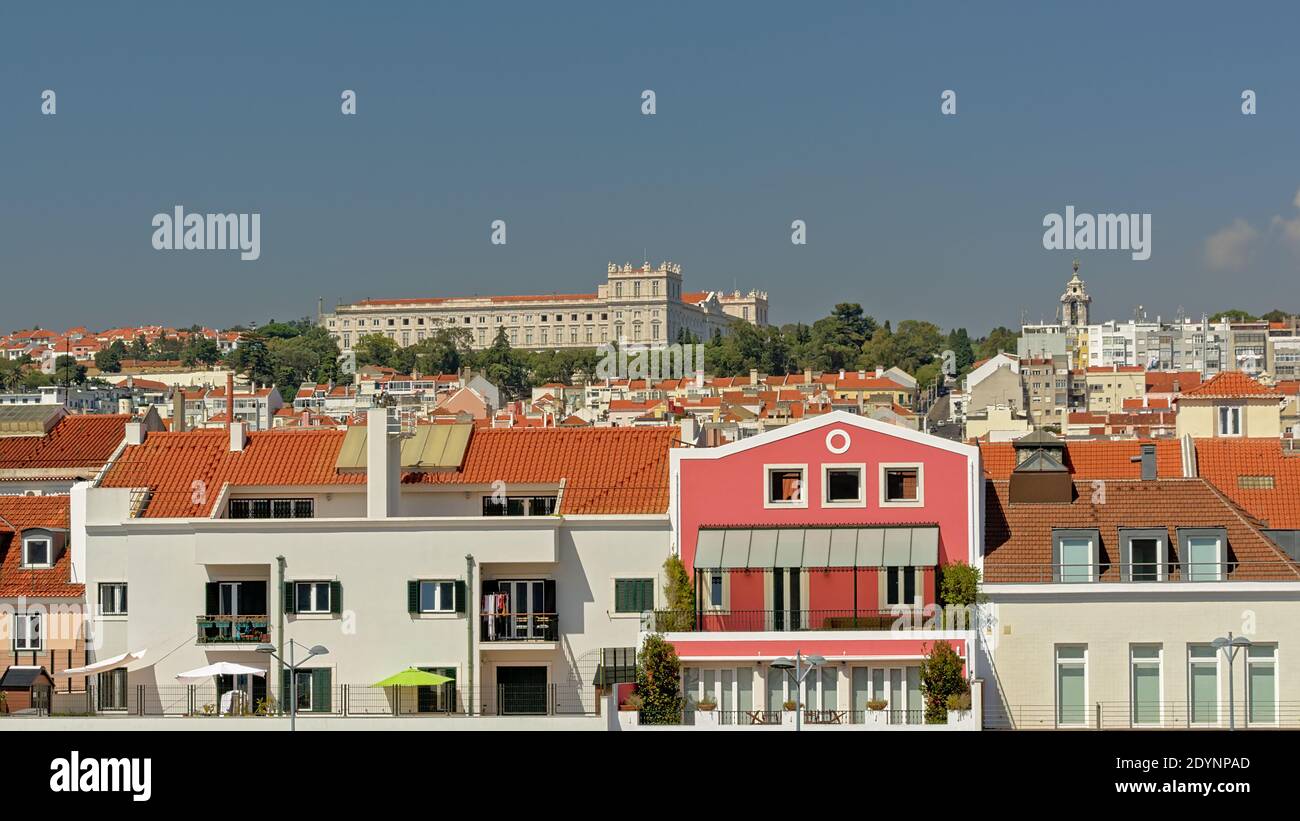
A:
838	441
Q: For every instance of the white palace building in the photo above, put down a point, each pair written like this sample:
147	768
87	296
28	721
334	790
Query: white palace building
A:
640	304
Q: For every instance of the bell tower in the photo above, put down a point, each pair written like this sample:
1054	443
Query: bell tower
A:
1075	301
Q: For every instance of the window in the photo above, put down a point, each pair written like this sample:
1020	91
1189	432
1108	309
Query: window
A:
1143	556
437	597
1074	555
634	595
1261	683
1230	420
519	506
716	591
900	585
311	597
1202	553
37	552
1072	686
1144	661
785	486
843	485
112	689
272	509
900	485
27	631
1203	683
112	598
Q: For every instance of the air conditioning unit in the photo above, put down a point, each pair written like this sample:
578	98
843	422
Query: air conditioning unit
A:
32	493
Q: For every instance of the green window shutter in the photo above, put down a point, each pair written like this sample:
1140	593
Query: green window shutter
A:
336	597
413	597
620	596
645	599
211	599
460	596
289	603
320	690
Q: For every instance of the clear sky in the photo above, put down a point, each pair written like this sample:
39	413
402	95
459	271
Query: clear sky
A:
530	112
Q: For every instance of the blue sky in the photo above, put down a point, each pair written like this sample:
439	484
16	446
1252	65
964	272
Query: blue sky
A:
530	112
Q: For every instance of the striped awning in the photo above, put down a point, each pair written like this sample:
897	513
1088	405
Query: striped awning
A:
731	548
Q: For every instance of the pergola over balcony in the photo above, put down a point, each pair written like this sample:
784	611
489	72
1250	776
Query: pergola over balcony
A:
811	578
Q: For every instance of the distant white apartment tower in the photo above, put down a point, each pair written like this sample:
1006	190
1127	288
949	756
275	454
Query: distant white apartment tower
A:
642	304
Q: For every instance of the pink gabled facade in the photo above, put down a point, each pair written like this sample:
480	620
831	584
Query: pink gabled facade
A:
824	538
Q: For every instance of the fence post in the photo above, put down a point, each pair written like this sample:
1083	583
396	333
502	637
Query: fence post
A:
139	699
1099	715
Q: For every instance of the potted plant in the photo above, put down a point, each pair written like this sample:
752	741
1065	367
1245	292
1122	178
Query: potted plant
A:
788	709
629	712
876	711
959	707
706	711
707	703
4	702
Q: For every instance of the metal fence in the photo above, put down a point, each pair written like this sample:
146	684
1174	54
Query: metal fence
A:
760	717
1164	715
341	700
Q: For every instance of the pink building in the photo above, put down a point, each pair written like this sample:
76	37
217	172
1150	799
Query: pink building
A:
823	538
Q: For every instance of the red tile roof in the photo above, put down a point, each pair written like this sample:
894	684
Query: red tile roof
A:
75	441
21	513
606	470
1018	537
1231	385
1172	381
1091	459
495	299
1224	461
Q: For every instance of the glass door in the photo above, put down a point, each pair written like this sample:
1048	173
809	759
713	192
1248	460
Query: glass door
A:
227	606
527	599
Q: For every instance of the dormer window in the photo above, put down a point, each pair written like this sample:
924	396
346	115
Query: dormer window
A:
38	551
1230	420
1144	554
1074	556
1204	553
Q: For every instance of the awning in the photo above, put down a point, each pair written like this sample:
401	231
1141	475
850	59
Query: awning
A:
734	548
106	664
221	668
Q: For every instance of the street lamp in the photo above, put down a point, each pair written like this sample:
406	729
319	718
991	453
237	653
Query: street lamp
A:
1230	646
312	652
798	670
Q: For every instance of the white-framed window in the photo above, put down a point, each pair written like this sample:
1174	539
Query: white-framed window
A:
311	597
27	631
785	486
902	485
437	597
1203	559
1203	684
1146	684
900	586
112	598
1229	420
38	551
844	485
716	589
1261	684
1072	685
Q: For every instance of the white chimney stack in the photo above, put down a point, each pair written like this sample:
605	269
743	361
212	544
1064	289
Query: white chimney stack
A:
238	436
135	433
383	466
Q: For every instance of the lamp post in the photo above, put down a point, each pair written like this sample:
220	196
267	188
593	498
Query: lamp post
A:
1230	646
312	652
797	670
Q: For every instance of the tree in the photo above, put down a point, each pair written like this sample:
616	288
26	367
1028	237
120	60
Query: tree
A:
1234	315
200	350
679	594
109	360
963	353
999	339
139	348
959	586
375	349
503	367
837	340
67	371
941	677
658	673
252	359
1276	316
444	352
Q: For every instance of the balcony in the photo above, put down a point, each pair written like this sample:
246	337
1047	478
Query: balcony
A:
758	621
220	629
516	628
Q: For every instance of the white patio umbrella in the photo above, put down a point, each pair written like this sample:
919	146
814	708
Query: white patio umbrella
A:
221	668
106	664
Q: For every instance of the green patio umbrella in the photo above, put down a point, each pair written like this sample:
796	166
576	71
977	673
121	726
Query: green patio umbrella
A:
411	677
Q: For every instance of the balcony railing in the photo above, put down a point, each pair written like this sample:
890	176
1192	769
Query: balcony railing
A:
519	627
233	629
724	621
1117	573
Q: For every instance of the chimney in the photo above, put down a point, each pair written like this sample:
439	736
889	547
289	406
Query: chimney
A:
862	374
807	376
135	433
383	466
238	436
841	373
230	399
879	371
125	406
753	376
1148	460
178	409
688	429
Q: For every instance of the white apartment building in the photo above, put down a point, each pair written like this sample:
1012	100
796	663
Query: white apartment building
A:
640	304
505	560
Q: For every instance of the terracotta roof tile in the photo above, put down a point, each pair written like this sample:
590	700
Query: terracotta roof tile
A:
1091	459
76	441
20	513
1018	537
1225	461
1231	385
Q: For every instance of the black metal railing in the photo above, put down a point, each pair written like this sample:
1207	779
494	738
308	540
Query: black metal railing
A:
1139	572
1151	715
723	621
497	627
218	629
